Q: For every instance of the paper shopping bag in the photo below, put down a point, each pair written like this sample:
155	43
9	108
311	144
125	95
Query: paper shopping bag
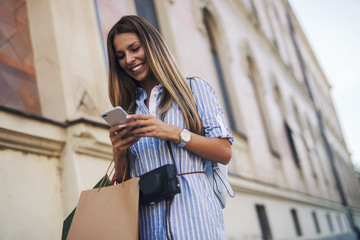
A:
107	213
105	181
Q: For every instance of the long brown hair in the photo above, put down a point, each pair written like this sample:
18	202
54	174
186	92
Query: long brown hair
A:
122	88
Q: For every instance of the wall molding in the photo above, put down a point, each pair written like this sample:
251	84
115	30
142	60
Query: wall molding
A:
29	143
34	134
242	185
85	143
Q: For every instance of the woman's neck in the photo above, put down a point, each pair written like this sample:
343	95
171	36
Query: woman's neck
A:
148	85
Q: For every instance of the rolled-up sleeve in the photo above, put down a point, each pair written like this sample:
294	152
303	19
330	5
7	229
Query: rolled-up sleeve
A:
210	111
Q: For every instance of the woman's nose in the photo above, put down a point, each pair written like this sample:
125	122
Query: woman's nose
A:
129	58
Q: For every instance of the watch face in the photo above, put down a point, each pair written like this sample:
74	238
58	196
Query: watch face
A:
186	136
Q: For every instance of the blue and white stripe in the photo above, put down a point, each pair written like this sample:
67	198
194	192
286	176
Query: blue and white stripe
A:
195	212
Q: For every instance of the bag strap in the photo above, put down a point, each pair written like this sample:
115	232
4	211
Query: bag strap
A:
172	155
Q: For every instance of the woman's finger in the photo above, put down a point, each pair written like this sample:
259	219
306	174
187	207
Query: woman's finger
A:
116	136
141	130
115	129
139	116
128	139
132	142
126	143
145	121
139	123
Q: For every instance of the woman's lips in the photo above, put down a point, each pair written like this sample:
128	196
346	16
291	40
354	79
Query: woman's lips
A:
137	68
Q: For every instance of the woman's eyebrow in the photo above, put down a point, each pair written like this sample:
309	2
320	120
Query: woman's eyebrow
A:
131	44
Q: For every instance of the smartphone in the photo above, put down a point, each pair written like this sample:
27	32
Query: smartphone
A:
115	116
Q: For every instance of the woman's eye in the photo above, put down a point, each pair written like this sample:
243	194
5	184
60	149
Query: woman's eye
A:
136	49
120	57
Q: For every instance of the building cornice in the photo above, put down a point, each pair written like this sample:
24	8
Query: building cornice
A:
28	143
303	37
29	133
243	185
88	141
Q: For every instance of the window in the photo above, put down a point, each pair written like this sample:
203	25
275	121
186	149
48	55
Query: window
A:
279	100
260	98
311	149
331	227
208	21
18	84
146	10
295	155
264	224
316	223
296	222
340	223
345	220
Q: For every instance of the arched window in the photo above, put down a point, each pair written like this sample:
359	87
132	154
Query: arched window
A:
212	32
258	89
292	135
279	100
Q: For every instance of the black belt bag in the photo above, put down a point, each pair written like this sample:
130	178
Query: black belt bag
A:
160	183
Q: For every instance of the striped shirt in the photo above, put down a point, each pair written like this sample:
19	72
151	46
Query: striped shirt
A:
195	212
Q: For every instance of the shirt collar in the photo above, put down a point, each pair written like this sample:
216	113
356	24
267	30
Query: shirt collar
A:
142	95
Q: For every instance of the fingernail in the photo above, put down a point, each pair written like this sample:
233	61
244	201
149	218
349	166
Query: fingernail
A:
122	125
128	116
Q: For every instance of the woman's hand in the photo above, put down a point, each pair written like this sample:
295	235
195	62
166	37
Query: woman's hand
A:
150	126
121	139
211	148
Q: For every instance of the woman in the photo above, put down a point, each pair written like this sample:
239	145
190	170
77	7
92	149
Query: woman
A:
146	82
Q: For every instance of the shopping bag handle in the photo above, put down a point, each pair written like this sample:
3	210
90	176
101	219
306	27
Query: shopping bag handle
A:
106	174
123	178
112	170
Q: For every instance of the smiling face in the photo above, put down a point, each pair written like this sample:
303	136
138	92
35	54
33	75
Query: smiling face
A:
130	54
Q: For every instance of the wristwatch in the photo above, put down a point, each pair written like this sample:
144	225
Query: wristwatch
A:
185	137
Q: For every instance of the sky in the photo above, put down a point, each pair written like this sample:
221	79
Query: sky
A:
332	28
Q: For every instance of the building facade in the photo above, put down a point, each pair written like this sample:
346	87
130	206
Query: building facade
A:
291	169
